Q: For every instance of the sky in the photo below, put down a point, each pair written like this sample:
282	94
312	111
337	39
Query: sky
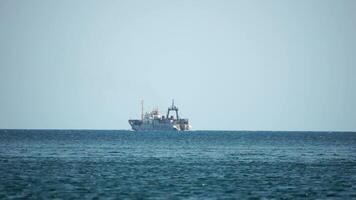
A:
229	65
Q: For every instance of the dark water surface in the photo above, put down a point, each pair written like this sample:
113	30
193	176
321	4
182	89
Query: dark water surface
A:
165	165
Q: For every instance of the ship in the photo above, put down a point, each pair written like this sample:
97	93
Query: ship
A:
154	121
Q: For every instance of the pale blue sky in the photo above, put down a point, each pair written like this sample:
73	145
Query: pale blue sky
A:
230	65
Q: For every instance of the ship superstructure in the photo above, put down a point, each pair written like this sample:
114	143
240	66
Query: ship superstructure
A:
154	121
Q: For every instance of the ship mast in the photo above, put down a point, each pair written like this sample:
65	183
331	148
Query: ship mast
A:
173	108
142	109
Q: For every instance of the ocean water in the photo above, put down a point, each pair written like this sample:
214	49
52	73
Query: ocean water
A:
50	164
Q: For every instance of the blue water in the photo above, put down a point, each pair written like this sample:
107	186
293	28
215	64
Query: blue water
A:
166	165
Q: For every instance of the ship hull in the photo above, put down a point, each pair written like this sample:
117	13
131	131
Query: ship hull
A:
150	127
139	125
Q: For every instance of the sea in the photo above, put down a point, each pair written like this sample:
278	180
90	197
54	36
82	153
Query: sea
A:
119	164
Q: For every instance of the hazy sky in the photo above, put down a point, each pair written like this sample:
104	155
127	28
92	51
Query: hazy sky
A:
231	65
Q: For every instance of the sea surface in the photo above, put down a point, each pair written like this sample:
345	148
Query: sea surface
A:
81	164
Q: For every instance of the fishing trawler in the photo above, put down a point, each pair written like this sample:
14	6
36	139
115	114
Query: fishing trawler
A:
154	121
